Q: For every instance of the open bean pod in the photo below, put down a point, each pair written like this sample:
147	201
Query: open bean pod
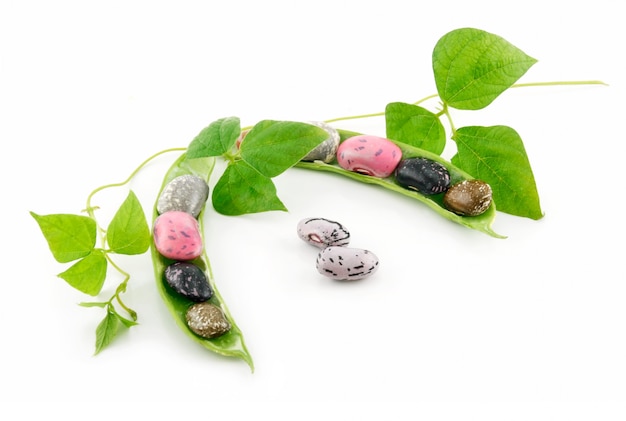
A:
231	343
480	223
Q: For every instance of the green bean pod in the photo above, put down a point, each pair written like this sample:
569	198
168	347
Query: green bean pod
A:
481	222
230	344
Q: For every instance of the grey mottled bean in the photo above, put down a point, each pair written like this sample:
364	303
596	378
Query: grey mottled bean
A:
321	232
346	264
185	193
327	150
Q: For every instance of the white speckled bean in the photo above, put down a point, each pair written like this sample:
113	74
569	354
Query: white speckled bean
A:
346	264
321	232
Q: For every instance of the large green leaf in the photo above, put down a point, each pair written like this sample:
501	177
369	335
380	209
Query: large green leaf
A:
272	147
473	67
241	189
496	154
69	236
216	139
415	126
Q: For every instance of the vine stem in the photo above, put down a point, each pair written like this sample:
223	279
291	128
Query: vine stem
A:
517	85
90	211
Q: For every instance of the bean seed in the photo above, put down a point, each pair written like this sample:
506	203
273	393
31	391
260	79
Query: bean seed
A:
177	236
189	281
469	197
369	155
346	264
207	320
185	193
327	150
422	174
321	232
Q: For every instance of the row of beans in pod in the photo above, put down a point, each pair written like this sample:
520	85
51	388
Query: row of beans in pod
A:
178	239
380	157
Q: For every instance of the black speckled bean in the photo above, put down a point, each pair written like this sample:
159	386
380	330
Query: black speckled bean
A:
422	174
189	281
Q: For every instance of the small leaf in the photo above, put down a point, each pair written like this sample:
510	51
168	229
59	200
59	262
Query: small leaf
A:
128	232
69	236
497	155
242	189
88	274
106	330
415	126
216	139
272	147
473	67
126	322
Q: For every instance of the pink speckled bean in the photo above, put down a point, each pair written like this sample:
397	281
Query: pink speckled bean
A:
369	155
177	236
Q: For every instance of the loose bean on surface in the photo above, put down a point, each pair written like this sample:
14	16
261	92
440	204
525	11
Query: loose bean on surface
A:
322	232
344	263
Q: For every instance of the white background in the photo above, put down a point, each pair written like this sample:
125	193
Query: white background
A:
454	325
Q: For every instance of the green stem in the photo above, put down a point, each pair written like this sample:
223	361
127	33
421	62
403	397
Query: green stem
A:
560	83
518	85
121	288
130	177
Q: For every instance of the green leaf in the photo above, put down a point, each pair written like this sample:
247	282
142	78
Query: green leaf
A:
473	67
106	330
128	232
126	322
88	274
216	139
69	236
497	155
415	126
241	189
272	147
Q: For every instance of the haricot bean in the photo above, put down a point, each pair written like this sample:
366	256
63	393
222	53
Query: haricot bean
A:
346	263
185	280
322	232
